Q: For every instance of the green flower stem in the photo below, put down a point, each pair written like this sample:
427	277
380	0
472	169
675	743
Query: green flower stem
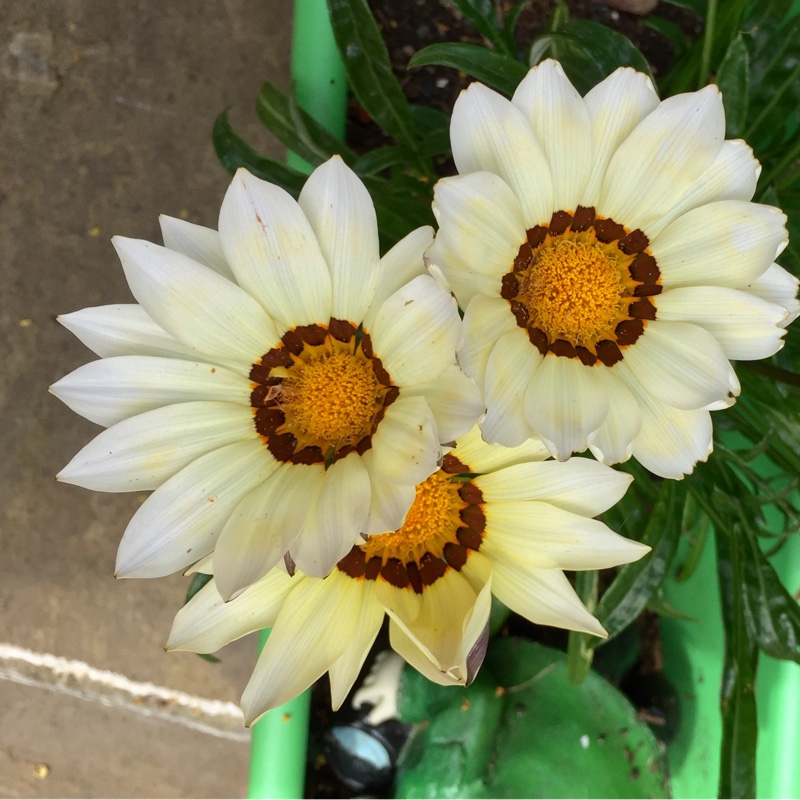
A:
708	43
278	750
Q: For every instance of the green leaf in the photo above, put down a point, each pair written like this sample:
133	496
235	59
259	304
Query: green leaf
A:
671	30
589	52
494	69
380	159
738	701
483	15
234	152
773	615
733	79
369	70
296	129
522	730
635	583
510	24
199	580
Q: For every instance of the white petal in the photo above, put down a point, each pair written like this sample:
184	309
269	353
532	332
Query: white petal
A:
616	106
681	365
123	330
565	403
612	442
667	151
315	627
481	230
534	535
672	441
777	285
344	671
389	501
143	451
490	134
478	456
732	176
486	320
264	525
198	243
207	623
511	366
728	243
406	443
337	518
454	400
746	326
452	616
181	520
416	331
195	304
399	266
112	389
543	596
580	485
342	215
560	120
273	251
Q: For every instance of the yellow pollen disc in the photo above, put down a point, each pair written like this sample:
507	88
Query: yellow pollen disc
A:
332	398
573	291
431	522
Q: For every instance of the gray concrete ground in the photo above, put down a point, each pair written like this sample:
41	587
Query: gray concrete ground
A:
106	109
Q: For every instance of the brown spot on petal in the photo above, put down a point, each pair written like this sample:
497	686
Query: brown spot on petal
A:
520	313
634	242
394	572
354	563
523	258
470	538
470	493
453	466
373	568
341	330
455	555
538	339
414	578
509	286
608	352
583	219
587	357
431	569
644	269
536	235
628	331
608	231
559	223
561	347
642	309
473	517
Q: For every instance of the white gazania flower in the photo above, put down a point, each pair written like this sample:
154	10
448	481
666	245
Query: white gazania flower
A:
279	385
493	520
610	263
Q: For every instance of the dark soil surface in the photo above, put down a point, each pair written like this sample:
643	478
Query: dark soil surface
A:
410	25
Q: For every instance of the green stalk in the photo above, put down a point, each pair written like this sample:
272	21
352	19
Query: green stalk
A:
278	750
708	43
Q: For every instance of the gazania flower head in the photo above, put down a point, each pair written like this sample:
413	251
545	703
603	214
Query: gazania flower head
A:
610	263
492	520
279	385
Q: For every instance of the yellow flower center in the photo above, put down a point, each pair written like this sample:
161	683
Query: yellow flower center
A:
332	399
583	286
431	522
444	524
573	290
320	394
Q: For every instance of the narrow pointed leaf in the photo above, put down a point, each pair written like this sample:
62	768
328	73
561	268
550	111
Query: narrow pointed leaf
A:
234	152
494	69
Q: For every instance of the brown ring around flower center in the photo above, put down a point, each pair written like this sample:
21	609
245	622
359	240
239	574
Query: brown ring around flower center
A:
321	394
581	287
444	525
